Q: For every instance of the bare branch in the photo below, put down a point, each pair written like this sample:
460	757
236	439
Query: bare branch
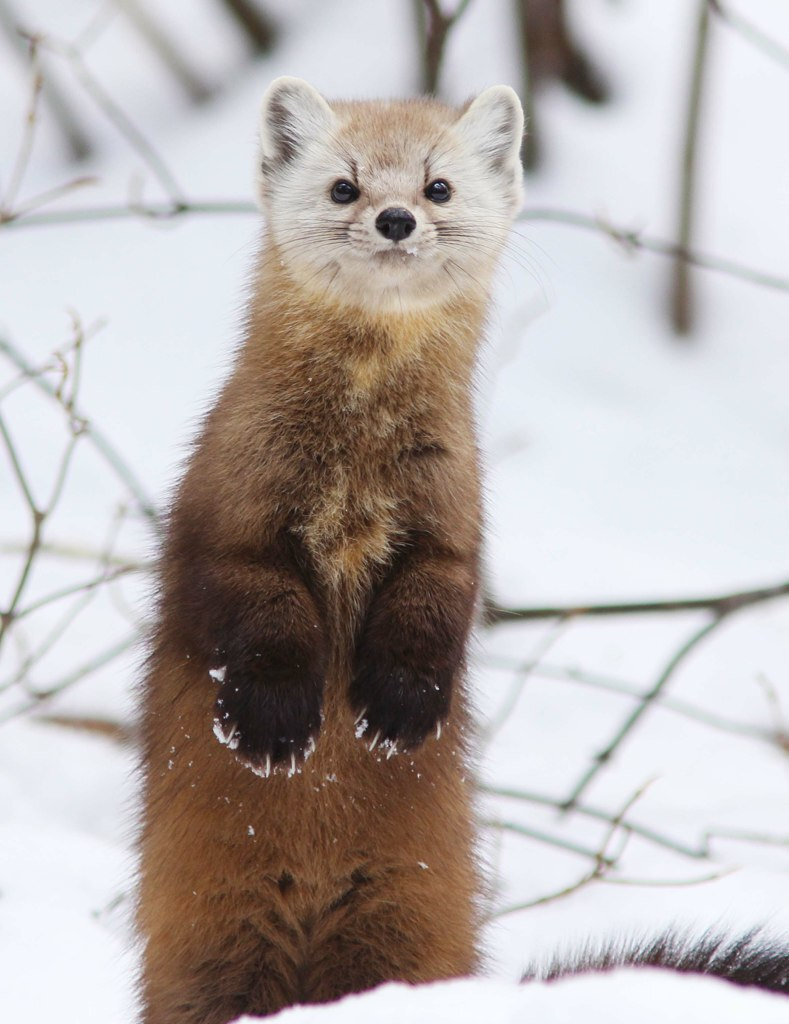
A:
588	811
776	736
754	35
604	862
544	837
28	136
523	672
255	23
606	754
75	136
435	25
166	49
93	664
150	211
721	604
82	587
116	115
681	296
108	452
631	240
100	726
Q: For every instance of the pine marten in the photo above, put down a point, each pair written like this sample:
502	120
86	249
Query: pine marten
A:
307	827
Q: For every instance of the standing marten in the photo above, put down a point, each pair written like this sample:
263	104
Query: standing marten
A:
307	827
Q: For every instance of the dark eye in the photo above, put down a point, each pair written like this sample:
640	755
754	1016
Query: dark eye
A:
344	192
438	191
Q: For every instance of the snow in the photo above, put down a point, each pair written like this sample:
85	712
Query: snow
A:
649	997
621	464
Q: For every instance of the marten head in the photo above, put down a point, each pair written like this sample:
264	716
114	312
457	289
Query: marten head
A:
389	205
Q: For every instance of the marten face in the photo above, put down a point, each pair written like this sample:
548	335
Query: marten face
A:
389	206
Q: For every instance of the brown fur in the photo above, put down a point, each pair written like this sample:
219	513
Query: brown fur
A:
322	562
356	442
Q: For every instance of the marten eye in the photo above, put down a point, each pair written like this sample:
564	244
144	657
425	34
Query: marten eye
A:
344	192
438	191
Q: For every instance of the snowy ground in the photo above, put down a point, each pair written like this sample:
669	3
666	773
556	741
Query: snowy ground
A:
621	465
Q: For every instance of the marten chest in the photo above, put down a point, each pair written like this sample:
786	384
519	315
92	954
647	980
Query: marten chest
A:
362	465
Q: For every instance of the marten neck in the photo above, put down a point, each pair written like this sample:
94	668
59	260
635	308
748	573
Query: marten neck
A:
295	324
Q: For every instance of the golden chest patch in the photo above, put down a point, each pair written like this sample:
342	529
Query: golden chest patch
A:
350	529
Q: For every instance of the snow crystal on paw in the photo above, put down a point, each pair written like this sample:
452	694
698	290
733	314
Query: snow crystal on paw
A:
228	737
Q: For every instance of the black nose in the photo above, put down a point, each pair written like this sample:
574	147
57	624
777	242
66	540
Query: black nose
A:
395	223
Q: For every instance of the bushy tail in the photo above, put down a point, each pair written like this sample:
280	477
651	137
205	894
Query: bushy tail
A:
752	959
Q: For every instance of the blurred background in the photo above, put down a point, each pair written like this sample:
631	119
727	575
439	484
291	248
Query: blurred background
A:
632	667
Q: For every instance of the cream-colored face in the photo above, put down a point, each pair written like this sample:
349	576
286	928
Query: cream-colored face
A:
389	205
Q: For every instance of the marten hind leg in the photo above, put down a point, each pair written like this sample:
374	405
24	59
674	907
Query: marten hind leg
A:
217	978
377	934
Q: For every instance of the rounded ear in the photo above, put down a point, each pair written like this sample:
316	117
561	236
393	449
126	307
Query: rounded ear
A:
292	112
492	124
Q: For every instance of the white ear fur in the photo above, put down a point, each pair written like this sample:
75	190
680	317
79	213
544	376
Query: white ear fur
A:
291	113
493	126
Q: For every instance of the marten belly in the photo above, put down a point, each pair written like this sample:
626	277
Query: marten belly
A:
353	869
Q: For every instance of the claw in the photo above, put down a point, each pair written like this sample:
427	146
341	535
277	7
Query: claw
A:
392	750
360	716
268	765
438	730
375	740
292	771
224	735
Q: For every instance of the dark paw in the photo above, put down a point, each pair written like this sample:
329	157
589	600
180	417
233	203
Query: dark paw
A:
397	706
267	724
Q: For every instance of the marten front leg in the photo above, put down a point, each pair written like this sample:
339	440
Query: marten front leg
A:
412	645
255	624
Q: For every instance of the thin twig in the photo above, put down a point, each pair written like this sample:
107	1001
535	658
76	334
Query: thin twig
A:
84	586
523	671
722	604
117	116
46	197
37	516
31	659
604	756
68	123
108	452
631	240
604	863
149	211
670	883
607	684
772	49
681	295
167	50
28	137
544	837
743	836
596	813
79	553
93	664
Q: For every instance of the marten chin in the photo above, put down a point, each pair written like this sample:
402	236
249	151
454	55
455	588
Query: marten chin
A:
307	828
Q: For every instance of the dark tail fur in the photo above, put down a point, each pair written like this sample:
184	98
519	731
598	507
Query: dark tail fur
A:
752	959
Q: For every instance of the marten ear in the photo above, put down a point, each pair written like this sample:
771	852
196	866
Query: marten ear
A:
492	124
292	113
